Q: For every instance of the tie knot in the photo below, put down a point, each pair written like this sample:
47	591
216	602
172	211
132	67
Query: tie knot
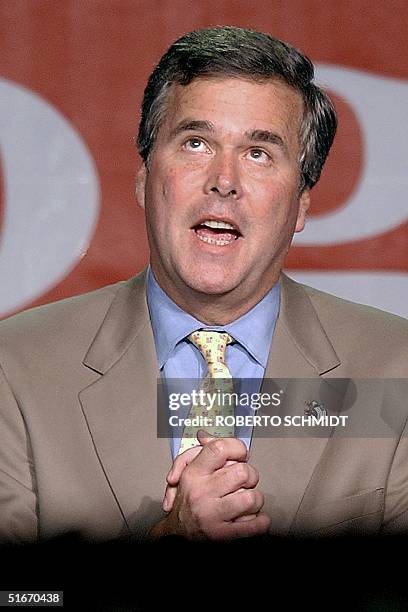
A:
212	345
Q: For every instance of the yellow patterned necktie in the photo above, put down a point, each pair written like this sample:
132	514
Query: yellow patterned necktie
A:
218	381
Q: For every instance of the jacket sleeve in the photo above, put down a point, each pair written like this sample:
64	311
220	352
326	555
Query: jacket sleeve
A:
18	500
396	495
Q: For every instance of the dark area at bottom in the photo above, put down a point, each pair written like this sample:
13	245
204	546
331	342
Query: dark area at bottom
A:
364	574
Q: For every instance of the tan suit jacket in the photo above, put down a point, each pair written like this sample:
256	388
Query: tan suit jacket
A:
79	450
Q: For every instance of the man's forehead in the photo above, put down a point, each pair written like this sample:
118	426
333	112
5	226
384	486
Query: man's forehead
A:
203	97
178	91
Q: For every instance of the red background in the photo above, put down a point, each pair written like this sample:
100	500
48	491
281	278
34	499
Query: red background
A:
91	59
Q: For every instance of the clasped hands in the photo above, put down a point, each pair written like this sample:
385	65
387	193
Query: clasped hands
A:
211	493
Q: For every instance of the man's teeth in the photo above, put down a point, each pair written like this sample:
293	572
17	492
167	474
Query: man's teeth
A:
217	241
218	224
225	234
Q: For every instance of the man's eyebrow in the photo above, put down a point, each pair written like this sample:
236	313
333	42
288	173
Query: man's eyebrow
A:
206	126
266	136
190	125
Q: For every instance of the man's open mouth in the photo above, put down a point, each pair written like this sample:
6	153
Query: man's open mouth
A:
214	231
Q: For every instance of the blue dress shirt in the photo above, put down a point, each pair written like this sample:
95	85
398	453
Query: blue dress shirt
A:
178	358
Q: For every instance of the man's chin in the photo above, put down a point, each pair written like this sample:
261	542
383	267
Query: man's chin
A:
211	286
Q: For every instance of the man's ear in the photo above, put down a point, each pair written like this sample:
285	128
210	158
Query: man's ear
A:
304	203
141	185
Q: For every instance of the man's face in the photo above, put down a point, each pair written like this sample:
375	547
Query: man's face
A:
222	190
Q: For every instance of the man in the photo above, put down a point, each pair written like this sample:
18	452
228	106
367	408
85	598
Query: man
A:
233	136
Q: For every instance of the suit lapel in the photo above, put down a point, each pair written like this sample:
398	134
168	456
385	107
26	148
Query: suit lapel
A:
300	350
120	407
300	345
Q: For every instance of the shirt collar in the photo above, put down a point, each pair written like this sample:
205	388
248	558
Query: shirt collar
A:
171	325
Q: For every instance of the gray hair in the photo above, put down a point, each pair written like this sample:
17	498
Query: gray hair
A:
241	53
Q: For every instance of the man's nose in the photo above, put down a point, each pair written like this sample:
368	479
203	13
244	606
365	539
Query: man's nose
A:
224	176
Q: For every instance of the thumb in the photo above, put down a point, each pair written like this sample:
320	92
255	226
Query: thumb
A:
204	437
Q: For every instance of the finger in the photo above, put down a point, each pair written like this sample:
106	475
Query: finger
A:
231	478
248	528
249	501
187	456
246	474
180	463
215	454
242	528
245	517
169	497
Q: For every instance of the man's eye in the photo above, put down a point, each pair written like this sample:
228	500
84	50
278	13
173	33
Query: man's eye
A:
195	144
259	155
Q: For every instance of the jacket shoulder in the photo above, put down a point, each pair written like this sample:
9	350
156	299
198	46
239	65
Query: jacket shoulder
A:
368	341
335	311
365	341
76	317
